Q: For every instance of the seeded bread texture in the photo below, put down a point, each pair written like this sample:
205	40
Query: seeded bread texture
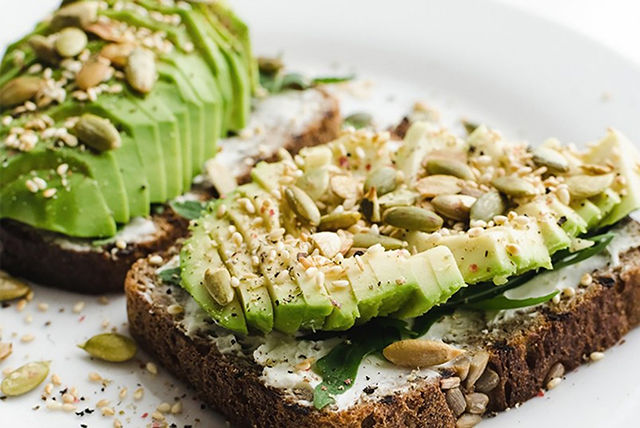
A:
33	254
521	351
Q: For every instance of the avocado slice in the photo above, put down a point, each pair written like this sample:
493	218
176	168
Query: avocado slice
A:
589	211
606	201
78	207
555	238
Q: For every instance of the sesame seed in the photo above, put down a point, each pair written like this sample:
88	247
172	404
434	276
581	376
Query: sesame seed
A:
94	377
156	260
176	408
102	403
53	405
152	368
56	379
40	183
586	280
164	408
556	299
121	244
108	411
31	186
78	307
157	416
62	169
48	388
596	356
21	304
235	282
117	424
68	398
49	193
340	283
513	249
138	394
27	338
42	307
569	291
123	393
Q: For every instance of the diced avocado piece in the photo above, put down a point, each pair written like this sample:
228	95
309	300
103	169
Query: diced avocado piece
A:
77	208
437	277
197	255
555	238
481	258
606	201
253	294
528	250
268	175
623	155
264	204
589	211
345	307
567	218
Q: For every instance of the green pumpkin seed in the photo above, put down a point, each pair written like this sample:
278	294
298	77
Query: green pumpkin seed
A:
11	288
112	347
434	185
487	207
543	156
455	207
413	218
97	132
384	180
25	378
302	205
44	49
336	221
515	186
448	166
78	14
20	89
586	186
70	42
218	284
358	120
368	239
140	70
295	81
370	206
270	65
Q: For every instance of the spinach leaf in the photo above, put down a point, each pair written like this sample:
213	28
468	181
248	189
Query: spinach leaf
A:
170	276
188	209
503	302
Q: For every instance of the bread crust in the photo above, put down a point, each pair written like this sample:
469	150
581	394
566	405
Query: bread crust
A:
32	253
522	357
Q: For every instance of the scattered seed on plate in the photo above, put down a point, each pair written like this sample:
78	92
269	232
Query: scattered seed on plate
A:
78	307
56	379
5	350
25	378
157	416
164	408
596	356
42	307
554	382
102	403
176	408
108	411
103	300
27	338
123	393
95	377
112	347
155	260
138	394
48	388
21	305
152	368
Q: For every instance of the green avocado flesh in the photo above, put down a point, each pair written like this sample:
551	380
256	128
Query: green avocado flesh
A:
298	249
204	78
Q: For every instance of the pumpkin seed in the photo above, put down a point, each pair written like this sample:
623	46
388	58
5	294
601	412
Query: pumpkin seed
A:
44	49
552	159
586	186
270	65
112	347
302	205
455	207
434	185
469	126
420	353
515	186
413	218
368	239
11	288
140	70
487	206
384	180
25	378
449	166
78	14
92	73
5	350
314	182
370	206
117	53
97	132
218	284
398	197
20	89
70	42
336	221
358	120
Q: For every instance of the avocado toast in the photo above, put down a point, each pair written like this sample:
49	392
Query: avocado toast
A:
481	269
109	110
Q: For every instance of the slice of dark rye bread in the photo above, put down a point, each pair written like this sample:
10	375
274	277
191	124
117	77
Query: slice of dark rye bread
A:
289	120
524	352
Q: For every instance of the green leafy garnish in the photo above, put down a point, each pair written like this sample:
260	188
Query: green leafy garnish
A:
190	210
170	276
324	80
276	81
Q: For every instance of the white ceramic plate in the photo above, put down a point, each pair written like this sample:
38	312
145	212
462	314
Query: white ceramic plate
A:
482	60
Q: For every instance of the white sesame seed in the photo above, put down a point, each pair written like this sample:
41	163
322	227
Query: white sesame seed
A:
49	193
586	280
123	393
28	319
108	411
164	408
26	338
175	309
152	368
176	408
95	377
569	291
235	282
102	403
155	260
513	249
42	307
556	299
40	183
117	424
55	379
121	244
596	356
554	382
53	405
340	283
31	186
68	398
21	304
78	307
138	394
48	388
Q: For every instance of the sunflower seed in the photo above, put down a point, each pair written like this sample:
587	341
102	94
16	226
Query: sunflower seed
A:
117	53
420	353
140	70
20	89
70	42
468	421
514	186
487	382
78	14
44	49
25	378
335	221
456	207
413	218
477	403
586	186
448	166
11	288
112	347
479	362
97	132
434	185
302	205
367	239
92	73
218	284
543	156
384	180
456	401
487	206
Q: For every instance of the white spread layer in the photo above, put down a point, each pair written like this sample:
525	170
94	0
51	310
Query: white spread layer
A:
279	354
